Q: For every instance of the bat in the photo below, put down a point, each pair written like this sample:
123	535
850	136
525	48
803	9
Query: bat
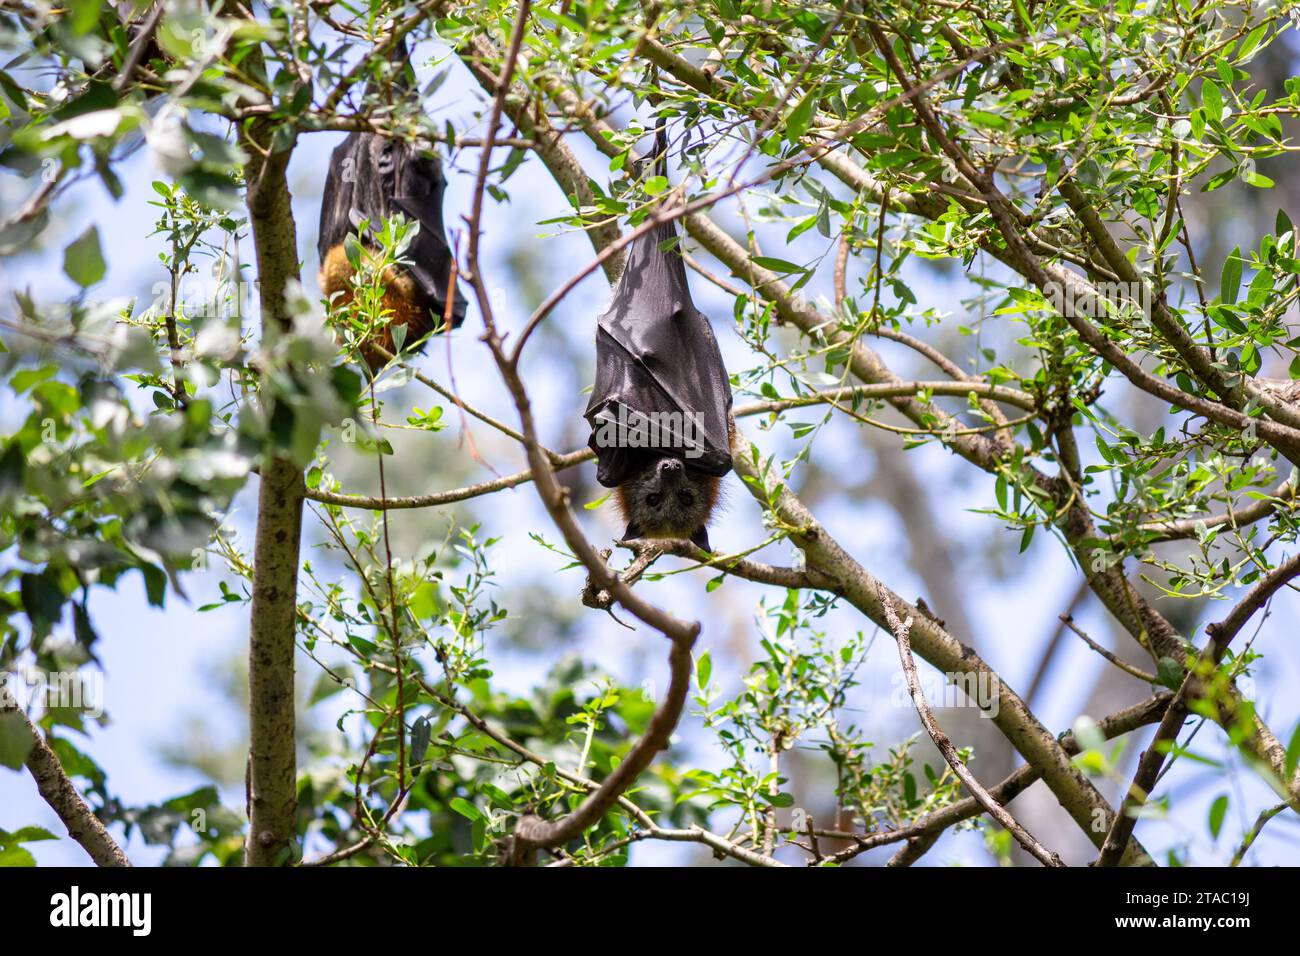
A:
372	178
660	409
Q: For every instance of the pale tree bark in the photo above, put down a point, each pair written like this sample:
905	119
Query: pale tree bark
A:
58	790
272	771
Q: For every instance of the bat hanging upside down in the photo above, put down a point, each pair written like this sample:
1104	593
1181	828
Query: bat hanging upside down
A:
372	178
660	411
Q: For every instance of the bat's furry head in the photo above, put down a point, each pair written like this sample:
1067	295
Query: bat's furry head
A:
666	499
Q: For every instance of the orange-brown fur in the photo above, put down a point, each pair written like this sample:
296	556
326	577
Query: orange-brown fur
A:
402	302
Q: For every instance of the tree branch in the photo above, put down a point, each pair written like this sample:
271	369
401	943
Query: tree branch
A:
1222	632
901	630
532	832
272	773
1076	794
932	825
58	790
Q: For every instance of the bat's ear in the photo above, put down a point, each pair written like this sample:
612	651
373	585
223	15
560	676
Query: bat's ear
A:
633	531
701	539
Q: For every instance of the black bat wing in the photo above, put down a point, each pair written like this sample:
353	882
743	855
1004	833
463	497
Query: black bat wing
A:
337	200
371	178
656	353
420	188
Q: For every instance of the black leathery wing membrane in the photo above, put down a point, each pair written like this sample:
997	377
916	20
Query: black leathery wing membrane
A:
656	353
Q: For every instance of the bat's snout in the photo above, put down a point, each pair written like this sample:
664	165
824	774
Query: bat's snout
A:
669	466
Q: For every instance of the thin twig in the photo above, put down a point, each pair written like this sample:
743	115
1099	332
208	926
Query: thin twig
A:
933	824
1250	838
1126	667
902	631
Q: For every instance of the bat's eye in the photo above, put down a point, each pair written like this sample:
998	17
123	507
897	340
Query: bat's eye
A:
654	500
686	498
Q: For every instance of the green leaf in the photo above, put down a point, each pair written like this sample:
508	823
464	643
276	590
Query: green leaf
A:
26	835
85	14
24	379
1293	753
82	259
16	856
1230	280
155	583
11	851
1218	810
421	734
1170	673
986	119
326	684
909	790
1212	99
1027	537
465	808
16	740
703	669
799	119
99	95
13	90
777	265
1024	16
